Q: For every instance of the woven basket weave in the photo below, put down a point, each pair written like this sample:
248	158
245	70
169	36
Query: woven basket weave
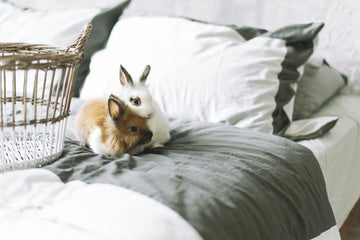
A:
36	85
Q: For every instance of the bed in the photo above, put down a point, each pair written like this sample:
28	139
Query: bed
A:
340	143
246	160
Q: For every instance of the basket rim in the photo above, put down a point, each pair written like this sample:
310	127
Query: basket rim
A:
19	51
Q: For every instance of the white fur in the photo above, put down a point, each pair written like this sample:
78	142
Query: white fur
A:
159	125
97	145
146	108
149	108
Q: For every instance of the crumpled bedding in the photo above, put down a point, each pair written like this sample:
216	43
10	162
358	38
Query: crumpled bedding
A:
227	182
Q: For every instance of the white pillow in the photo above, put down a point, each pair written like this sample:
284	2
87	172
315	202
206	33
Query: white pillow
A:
58	28
206	72
63	4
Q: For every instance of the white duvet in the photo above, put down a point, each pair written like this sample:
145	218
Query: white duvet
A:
35	204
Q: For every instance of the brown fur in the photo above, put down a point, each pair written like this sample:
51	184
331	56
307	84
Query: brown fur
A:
115	120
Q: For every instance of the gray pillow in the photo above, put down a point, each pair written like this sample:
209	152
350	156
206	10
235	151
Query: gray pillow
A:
319	84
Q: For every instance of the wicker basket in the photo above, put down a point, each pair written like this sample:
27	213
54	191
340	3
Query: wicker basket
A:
36	85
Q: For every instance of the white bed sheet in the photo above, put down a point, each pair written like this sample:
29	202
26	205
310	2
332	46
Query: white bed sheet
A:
338	153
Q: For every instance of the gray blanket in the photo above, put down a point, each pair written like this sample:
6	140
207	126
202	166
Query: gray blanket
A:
227	182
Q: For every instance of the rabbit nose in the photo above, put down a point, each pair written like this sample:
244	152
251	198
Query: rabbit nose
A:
148	135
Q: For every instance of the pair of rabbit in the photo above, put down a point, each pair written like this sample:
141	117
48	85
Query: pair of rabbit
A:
113	127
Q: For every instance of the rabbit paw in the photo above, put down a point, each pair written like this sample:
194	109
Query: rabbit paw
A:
157	145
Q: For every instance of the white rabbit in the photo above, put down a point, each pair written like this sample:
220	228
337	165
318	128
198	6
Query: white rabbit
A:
139	99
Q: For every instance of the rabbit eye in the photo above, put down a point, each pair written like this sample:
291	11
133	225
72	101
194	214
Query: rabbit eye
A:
135	101
134	129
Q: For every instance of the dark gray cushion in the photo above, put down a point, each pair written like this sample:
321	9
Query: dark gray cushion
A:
318	85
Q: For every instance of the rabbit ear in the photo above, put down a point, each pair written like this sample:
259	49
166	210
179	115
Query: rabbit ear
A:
116	107
125	77
145	74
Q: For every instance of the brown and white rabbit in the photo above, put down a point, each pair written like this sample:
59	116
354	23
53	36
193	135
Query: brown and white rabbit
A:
139	99
111	128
